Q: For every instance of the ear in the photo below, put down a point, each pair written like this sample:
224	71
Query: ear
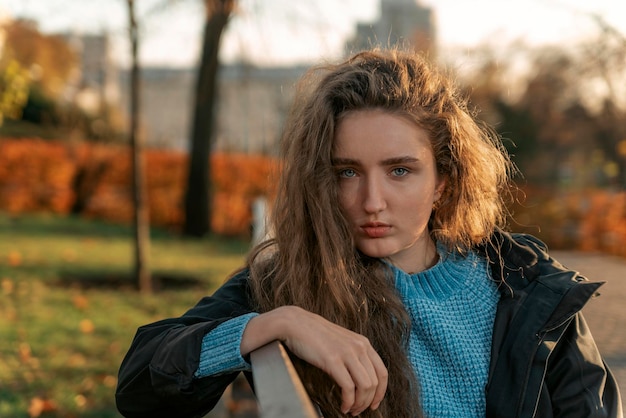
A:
439	188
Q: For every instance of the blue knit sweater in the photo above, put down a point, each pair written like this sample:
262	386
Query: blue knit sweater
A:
452	308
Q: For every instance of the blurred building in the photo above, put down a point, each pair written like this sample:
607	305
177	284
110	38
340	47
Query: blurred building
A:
97	86
165	104
253	101
401	22
251	106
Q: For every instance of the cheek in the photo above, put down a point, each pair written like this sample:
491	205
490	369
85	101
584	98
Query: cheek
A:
347	208
345	197
417	206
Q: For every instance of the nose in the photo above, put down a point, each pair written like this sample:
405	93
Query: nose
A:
373	196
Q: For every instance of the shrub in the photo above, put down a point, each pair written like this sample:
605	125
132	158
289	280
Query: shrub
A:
94	180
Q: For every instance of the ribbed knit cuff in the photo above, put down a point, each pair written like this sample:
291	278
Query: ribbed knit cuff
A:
220	352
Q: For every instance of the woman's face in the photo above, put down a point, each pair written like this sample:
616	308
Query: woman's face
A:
388	183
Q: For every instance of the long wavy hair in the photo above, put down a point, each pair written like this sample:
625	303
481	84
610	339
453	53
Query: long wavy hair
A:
312	262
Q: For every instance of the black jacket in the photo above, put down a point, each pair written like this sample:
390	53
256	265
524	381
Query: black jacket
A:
544	362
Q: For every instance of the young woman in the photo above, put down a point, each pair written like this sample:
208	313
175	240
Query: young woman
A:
389	277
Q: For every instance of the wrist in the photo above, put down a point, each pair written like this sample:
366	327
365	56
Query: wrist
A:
267	327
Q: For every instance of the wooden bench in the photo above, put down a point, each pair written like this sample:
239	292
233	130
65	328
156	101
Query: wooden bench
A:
279	390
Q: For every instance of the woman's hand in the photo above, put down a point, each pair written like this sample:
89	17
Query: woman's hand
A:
346	356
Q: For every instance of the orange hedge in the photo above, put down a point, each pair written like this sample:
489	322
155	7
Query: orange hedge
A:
587	220
95	180
35	175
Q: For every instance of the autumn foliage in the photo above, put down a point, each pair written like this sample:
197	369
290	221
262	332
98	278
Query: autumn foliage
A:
94	180
51	57
582	219
35	176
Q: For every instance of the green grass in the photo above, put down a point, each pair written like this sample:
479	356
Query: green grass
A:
68	310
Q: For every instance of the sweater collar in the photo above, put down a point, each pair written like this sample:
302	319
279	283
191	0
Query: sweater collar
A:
451	274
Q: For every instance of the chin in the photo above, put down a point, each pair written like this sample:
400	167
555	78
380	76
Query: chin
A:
375	251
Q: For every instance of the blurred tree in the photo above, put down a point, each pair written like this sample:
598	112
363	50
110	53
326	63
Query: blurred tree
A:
51	65
140	203
611	136
198	192
605	63
548	93
14	83
565	122
489	87
50	59
576	96
519	132
40	108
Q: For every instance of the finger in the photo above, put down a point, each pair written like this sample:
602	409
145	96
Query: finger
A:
337	369
365	381
348	389
356	377
383	377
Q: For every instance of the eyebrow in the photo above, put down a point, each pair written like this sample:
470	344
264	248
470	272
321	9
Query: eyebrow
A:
389	161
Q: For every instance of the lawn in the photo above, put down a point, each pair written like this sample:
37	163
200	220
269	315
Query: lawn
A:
68	310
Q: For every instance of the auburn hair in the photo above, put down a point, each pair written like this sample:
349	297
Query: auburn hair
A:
311	260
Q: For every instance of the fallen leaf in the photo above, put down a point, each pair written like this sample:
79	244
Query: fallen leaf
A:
15	258
80	400
7	286
109	381
39	405
80	302
86	326
77	360
35	408
24	352
69	255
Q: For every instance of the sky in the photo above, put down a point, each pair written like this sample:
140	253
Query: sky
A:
283	32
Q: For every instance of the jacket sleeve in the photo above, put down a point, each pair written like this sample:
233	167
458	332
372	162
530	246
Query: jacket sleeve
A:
156	378
578	381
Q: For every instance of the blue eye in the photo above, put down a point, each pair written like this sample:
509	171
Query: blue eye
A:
347	173
399	171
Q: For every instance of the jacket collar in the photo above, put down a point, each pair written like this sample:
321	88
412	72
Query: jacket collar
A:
514	259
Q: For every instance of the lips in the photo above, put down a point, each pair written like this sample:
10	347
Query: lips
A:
375	229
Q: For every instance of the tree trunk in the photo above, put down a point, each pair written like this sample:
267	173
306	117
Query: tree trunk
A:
198	193
141	214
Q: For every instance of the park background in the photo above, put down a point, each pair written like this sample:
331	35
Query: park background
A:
549	75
